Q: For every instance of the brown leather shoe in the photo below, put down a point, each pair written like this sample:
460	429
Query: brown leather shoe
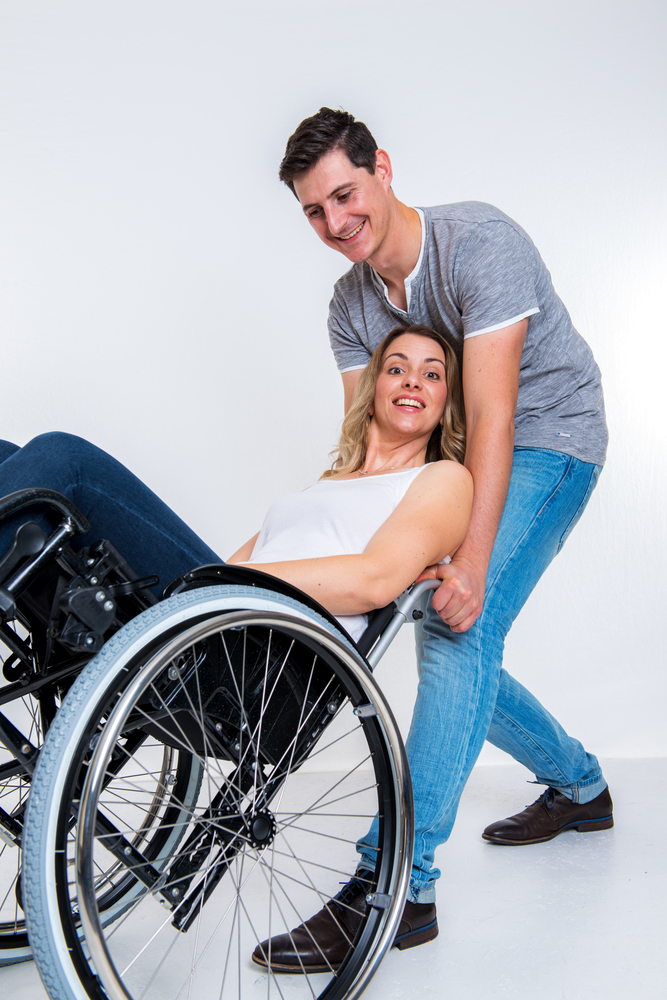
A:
322	943
550	815
418	925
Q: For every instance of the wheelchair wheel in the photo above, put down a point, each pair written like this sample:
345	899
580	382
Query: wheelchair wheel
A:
26	712
161	768
14	788
298	751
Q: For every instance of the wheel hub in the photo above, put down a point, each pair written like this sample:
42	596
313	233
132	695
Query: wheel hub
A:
262	829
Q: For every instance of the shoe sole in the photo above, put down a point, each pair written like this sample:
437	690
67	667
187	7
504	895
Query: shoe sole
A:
413	938
581	826
295	970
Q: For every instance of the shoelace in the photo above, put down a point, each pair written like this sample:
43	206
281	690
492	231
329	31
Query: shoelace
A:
359	884
549	797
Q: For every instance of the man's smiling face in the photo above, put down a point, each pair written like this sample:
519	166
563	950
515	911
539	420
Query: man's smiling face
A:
348	208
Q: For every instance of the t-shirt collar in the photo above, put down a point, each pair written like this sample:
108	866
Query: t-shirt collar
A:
413	274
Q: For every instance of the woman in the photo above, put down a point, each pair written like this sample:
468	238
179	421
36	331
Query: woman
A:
396	500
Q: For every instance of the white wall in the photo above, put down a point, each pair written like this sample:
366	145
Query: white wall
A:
162	295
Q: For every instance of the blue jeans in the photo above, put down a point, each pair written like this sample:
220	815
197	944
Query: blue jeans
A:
120	508
464	695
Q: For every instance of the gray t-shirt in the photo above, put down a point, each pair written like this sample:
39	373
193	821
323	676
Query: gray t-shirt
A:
478	271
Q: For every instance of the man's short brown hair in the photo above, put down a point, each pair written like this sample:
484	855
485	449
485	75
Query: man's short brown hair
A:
320	134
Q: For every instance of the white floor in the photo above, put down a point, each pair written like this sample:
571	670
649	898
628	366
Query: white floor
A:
581	917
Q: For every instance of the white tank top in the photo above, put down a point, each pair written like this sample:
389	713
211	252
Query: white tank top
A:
332	518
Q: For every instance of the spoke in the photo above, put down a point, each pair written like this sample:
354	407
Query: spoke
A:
340	798
325	899
298	729
12	886
208	747
322	749
290	749
314	864
254	738
286	923
319	833
301	920
318	802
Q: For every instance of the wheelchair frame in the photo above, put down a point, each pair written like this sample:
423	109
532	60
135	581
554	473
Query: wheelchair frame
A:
175	682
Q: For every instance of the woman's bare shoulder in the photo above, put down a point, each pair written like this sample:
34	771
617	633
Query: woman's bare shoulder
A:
447	474
441	482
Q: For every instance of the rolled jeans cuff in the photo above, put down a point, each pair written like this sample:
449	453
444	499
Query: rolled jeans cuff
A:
417	892
581	792
422	893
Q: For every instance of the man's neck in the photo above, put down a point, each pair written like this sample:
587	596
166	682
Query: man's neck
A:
399	253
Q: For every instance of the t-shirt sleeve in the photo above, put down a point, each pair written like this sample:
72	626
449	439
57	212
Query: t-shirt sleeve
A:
348	350
495	279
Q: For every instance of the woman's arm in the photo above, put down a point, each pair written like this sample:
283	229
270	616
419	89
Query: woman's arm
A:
429	523
244	553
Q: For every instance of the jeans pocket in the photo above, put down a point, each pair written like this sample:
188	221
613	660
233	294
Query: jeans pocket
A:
592	483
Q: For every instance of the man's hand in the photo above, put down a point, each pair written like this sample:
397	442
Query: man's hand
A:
460	598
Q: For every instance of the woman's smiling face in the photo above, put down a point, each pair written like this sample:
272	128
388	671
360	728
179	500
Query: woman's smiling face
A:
411	389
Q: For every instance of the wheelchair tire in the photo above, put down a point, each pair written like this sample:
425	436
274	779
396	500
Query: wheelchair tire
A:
26	713
246	681
14	789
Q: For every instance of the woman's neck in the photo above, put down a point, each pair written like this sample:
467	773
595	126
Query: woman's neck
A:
382	455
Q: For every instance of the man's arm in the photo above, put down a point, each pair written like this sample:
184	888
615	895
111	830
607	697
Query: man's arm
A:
350	380
491	365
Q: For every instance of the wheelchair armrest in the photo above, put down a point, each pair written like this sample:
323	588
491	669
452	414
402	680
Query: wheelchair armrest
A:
244	576
31	547
404	607
43	497
377	623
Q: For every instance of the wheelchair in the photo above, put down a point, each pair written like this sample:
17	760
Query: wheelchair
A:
202	780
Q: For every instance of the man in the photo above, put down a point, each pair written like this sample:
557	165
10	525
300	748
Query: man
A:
536	442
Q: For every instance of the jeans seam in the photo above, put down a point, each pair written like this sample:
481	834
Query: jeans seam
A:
529	526
461	765
529	741
577	514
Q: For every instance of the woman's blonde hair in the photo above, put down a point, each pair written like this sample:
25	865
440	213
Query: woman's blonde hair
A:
448	439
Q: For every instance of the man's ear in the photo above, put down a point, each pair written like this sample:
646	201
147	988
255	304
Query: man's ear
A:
383	167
